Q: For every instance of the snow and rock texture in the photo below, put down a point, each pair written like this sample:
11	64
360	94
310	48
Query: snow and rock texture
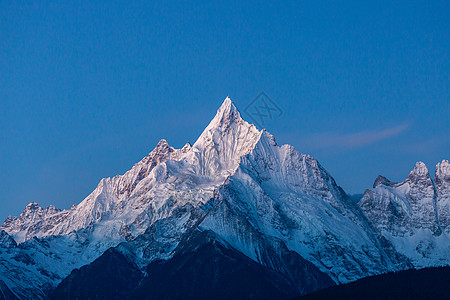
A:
414	214
269	203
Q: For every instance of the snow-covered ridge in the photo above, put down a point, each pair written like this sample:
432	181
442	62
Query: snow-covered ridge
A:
35	221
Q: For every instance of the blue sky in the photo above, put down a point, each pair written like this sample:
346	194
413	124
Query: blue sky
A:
88	89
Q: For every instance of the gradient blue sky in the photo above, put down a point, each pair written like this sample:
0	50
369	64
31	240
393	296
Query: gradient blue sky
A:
88	89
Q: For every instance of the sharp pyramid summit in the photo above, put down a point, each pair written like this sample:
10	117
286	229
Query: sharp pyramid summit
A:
235	197
227	137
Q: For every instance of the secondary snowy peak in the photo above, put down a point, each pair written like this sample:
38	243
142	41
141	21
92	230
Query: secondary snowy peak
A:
420	192
404	206
224	141
111	198
161	153
186	148
410	214
442	179
33	210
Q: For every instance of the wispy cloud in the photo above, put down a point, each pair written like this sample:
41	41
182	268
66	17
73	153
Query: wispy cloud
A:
356	139
421	145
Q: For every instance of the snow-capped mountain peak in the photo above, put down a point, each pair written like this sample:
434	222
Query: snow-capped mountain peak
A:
225	116
222	143
262	199
214	155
